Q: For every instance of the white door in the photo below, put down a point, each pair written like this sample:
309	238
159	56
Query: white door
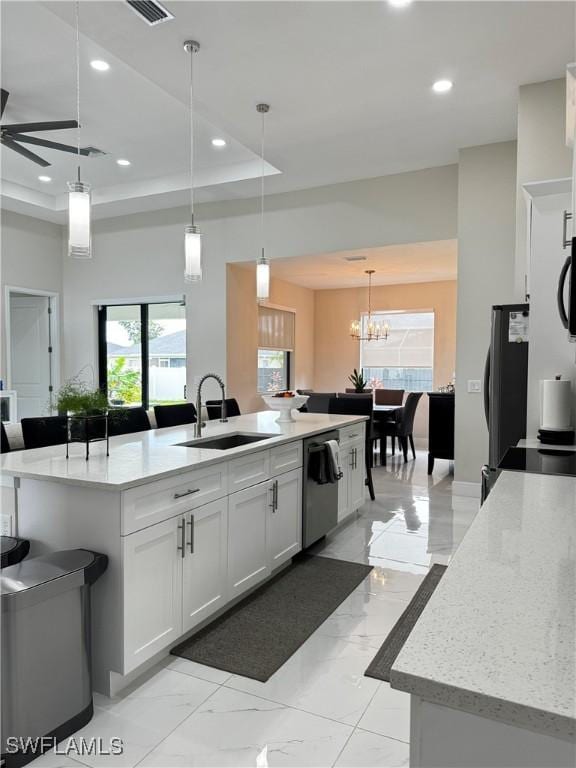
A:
153	561
357	475
29	354
285	518
346	460
205	566
247	551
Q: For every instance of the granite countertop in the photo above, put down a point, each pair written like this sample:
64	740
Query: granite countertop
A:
141	457
497	638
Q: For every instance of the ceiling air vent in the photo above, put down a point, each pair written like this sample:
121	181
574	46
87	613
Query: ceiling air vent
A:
354	258
151	11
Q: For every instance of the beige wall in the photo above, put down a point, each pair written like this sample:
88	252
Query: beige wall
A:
486	228
337	354
242	334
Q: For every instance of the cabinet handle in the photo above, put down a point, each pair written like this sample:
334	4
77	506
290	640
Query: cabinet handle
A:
565	240
355	458
186	493
191	542
274	489
182	531
354	434
352	458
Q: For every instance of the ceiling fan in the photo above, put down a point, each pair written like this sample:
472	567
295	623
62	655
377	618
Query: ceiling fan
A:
13	136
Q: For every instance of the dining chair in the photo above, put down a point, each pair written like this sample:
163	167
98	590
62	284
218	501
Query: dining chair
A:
173	415
214	408
42	431
4	444
124	421
388	396
362	405
403	426
318	402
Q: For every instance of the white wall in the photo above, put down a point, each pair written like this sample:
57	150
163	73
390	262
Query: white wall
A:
542	154
486	207
551	353
31	256
141	255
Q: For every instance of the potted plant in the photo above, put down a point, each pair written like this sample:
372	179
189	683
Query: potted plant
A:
86	409
358	381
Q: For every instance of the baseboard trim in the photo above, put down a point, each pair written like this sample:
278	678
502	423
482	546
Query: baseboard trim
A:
462	488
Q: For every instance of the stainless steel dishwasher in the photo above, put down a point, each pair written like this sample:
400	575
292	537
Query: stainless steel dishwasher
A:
319	502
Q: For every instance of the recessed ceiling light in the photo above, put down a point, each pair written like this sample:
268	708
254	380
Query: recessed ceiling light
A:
99	65
121	161
45	179
399	3
218	143
442	86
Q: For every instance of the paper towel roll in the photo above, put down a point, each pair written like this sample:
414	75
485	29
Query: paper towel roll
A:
556	403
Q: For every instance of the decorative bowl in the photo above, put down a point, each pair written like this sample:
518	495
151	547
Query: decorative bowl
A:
284	405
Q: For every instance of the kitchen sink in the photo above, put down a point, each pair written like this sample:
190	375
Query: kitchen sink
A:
226	442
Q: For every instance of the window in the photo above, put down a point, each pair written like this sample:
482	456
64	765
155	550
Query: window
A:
273	370
142	368
405	360
275	347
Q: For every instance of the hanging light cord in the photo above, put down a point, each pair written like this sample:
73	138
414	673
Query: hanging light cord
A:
192	134
262	148
78	83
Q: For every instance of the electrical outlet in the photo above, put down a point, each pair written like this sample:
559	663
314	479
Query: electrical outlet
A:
474	386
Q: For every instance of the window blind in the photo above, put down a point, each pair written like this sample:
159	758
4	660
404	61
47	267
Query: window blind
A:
275	329
410	342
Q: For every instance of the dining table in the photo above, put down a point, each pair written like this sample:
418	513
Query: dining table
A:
386	413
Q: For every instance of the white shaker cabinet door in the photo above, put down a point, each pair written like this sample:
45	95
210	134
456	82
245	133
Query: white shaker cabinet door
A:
205	566
357	475
247	550
153	561
285	518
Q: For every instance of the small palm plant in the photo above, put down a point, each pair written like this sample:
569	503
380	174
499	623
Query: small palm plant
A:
358	381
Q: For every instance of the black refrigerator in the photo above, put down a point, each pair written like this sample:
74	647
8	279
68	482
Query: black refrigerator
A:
505	385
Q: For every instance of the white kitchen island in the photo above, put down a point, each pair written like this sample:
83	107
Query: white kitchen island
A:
187	530
491	663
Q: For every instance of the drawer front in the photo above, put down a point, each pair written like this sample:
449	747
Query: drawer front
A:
148	504
248	470
353	432
284	458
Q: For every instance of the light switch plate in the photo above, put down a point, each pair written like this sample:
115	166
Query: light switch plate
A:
5	525
474	386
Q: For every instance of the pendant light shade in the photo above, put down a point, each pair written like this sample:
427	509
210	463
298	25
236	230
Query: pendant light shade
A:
192	235
79	212
193	254
79	202
263	264
262	279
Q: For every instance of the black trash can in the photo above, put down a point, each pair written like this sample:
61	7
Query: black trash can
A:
46	664
12	550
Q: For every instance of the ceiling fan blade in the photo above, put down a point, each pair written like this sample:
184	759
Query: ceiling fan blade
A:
55	125
7	142
49	144
3	99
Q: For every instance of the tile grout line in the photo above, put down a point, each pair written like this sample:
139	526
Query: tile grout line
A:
178	724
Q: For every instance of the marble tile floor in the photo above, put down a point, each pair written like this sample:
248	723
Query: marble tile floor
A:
318	709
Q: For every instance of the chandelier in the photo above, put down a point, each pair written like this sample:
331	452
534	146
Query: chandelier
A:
371	330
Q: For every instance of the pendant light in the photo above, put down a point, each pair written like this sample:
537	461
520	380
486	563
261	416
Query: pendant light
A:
372	330
263	264
192	235
79	204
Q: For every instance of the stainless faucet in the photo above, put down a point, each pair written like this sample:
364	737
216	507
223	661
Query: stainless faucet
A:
223	415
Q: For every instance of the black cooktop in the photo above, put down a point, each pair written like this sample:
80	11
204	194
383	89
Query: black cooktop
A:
542	461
